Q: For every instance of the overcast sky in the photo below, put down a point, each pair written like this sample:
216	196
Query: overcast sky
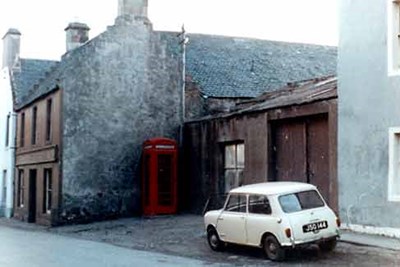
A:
42	22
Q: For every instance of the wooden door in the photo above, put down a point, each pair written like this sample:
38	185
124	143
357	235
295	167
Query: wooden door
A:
300	151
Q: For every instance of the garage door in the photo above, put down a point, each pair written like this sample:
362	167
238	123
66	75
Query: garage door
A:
300	150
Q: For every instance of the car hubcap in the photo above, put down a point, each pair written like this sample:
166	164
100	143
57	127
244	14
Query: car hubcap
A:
214	240
272	248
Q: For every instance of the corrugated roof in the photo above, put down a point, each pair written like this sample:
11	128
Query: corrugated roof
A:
242	67
297	93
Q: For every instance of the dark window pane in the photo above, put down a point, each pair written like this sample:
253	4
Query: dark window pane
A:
48	119
22	132
34	121
236	203
259	204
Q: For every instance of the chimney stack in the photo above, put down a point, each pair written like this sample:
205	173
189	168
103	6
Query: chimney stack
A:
77	35
135	8
11	47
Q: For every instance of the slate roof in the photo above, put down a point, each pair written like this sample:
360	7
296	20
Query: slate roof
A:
243	67
222	67
26	75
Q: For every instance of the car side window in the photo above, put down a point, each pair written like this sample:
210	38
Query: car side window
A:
259	204
236	203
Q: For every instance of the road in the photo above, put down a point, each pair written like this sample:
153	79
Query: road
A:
148	242
20	248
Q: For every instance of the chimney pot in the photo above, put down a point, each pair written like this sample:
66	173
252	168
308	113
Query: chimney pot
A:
76	34
11	47
135	8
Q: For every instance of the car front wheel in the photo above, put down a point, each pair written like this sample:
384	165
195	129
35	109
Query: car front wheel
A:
273	249
213	240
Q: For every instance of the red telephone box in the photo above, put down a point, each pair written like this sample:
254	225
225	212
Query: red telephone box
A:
159	176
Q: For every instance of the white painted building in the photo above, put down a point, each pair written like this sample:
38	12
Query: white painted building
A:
369	116
11	42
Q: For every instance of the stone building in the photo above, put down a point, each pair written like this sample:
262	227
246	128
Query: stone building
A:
82	120
369	116
81	125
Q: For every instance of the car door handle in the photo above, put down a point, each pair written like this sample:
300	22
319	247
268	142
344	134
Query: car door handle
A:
220	219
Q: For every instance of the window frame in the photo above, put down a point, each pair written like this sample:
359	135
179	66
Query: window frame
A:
394	165
47	190
239	204
259	195
236	168
34	125
22	129
21	188
49	111
393	36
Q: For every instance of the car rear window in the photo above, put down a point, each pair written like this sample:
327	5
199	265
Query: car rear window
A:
301	201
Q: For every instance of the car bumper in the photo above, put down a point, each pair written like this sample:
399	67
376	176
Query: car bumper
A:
304	243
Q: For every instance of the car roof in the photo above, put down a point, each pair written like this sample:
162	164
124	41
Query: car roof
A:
273	188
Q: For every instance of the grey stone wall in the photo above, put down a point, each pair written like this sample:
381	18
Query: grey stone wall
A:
119	89
368	105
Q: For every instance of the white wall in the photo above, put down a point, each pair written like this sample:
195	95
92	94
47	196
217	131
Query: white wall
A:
369	97
6	152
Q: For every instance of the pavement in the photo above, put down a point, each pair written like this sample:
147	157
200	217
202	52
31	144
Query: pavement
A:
361	239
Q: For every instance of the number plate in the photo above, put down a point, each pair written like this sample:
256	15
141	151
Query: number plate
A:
315	226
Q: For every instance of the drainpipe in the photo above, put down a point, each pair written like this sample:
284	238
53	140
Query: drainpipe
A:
183	42
12	165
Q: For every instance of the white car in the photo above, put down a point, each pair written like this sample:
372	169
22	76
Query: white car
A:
275	216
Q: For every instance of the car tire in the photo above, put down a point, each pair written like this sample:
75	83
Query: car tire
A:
273	249
328	245
213	240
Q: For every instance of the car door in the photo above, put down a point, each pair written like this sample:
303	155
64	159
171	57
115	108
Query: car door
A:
231	224
259	219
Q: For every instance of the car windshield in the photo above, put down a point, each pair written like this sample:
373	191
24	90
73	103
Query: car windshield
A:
301	201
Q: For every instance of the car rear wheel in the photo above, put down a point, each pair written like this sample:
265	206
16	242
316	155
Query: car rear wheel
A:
213	240
328	245
273	249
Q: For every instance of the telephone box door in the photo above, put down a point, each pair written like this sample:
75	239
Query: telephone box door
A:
159	178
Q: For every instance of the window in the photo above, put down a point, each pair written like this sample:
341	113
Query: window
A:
394	164
34	122
394	35
21	188
48	189
234	166
259	204
301	201
48	119
22	133
8	130
4	188
236	203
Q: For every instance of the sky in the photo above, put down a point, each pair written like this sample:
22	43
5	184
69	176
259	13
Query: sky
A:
42	22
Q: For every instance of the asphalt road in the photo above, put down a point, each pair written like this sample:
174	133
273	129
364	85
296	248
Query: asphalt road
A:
21	248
